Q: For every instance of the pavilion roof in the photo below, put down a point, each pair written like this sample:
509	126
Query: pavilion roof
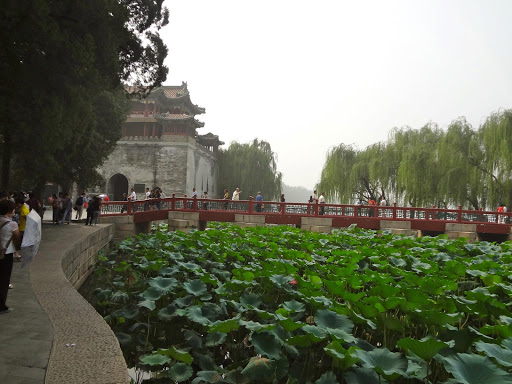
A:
165	117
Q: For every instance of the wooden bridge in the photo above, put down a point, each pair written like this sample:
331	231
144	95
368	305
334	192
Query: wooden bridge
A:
184	213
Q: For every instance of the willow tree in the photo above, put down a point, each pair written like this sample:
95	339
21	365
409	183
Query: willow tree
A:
252	167
495	140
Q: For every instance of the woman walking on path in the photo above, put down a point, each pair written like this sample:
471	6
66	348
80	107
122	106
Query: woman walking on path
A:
10	240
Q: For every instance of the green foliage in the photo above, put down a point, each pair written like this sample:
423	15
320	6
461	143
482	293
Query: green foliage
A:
251	167
429	166
64	65
282	305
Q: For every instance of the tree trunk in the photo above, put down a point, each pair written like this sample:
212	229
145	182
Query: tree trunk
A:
6	160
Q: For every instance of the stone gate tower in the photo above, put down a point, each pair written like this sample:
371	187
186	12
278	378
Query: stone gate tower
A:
160	147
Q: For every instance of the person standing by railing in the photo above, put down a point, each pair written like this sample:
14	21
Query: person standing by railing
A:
259	199
226	197
132	198
205	196
321	201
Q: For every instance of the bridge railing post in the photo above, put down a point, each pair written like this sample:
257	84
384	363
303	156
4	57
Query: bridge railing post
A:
194	203
282	208
394	210
129	207
316	208
173	202
459	214
250	206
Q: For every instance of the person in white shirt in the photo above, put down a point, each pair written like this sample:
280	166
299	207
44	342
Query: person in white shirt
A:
132	198
236	194
10	238
321	200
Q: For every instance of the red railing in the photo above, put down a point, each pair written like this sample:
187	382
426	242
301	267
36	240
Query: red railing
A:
304	209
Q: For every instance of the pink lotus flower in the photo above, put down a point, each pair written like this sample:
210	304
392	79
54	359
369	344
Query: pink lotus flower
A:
293	282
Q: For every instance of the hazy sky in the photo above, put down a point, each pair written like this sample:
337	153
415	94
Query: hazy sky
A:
309	75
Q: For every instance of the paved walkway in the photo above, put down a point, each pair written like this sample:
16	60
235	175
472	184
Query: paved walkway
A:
37	326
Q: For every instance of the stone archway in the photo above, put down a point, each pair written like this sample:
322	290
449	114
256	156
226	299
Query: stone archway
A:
117	185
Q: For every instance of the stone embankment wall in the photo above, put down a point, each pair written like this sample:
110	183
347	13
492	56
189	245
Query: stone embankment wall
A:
84	348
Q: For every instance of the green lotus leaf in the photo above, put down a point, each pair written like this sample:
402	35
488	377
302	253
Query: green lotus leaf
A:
383	361
104	295
342	358
250	300
165	283
120	297
225	326
195	287
294	306
363	376
155	359
153	293
193	339
425	348
167	313
191	266
260	369
325	318
207	377
475	369
507	343
341	335
149	304
180	372
123	338
266	344
177	354
321	300
215	338
397	262
195	314
255	326
236	377
290	325
502	355
281	280
321	333
184	301
327	378
167	271
128	313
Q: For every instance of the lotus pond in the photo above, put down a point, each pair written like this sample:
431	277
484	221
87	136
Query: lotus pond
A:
281	305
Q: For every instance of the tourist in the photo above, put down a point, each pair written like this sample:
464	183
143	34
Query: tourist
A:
383	203
10	240
194	193
283	200
321	200
502	219
93	211
147	197
79	206
205	196
86	200
132	198
67	207
371	204
23	212
34	203
124	207
236	194
226	197
259	199
158	196
56	209
311	207
315	196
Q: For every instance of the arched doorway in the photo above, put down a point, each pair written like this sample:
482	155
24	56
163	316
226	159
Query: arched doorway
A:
117	185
